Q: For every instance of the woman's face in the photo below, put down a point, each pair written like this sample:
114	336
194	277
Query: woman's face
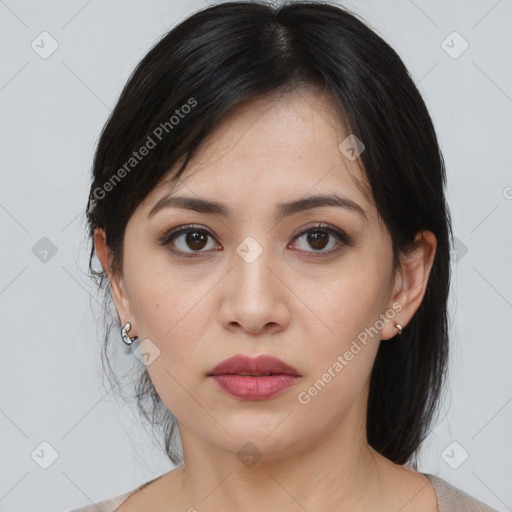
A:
260	278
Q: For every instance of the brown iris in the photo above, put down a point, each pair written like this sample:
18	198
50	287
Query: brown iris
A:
196	239
318	239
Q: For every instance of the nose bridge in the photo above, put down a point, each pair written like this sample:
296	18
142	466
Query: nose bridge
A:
251	271
253	300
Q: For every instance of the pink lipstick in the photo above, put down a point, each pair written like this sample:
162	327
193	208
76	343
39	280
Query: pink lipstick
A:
254	378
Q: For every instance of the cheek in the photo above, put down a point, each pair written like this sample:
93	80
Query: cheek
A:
175	322
340	362
352	300
163	296
172	310
349	307
338	386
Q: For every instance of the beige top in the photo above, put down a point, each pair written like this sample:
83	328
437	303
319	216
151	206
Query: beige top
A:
449	499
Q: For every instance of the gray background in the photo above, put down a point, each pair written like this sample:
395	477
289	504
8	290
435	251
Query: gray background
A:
52	111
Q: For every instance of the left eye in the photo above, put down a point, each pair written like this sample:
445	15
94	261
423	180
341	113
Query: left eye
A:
320	237
196	239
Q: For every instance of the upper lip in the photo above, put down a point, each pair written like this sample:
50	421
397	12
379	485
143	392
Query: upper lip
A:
247	365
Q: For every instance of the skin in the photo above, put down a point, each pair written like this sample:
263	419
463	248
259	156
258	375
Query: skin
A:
291	302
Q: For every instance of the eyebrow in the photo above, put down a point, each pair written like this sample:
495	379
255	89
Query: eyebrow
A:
284	209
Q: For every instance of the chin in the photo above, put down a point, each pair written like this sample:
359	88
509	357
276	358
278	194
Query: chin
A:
268	437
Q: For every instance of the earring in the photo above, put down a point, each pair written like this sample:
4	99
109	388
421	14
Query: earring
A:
398	327
124	334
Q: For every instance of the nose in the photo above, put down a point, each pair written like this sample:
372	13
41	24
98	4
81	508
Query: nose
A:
253	299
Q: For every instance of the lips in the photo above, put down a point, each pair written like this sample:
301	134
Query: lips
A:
254	366
254	378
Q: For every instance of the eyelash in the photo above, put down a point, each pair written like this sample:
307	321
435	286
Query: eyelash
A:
341	236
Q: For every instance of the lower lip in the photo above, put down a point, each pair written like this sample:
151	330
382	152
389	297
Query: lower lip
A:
255	388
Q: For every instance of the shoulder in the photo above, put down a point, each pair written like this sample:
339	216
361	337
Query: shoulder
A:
111	504
451	499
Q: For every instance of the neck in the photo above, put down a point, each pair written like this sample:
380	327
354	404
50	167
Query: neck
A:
340	473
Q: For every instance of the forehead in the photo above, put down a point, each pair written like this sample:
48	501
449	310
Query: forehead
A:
284	145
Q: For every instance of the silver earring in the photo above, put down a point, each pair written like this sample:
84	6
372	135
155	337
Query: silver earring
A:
124	334
398	327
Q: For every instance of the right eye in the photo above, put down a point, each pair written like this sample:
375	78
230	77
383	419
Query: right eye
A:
187	237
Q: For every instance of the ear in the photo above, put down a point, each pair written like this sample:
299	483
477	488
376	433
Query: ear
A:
117	285
411	280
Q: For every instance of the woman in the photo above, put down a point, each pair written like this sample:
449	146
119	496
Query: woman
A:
268	209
